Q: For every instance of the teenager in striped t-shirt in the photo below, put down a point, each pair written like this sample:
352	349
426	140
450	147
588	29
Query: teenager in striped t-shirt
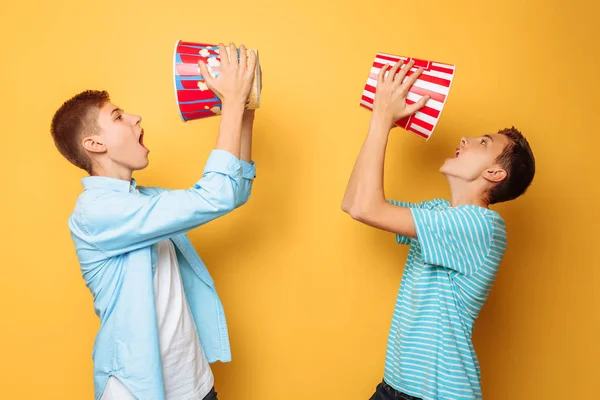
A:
455	248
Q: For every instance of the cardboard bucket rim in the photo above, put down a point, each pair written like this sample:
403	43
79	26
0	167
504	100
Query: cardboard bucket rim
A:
258	74
175	80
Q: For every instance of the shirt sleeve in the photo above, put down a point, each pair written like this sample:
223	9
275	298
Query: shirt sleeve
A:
401	239
245	188
456	238
120	222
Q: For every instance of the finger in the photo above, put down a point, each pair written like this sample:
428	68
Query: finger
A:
394	70
252	60
205	74
402	74
223	54
413	108
243	56
233	54
412	79
381	75
260	75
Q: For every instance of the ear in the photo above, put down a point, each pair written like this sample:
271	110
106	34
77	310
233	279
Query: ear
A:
93	144
495	174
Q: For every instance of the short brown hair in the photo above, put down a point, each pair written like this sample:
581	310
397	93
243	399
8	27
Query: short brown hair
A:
518	161
75	119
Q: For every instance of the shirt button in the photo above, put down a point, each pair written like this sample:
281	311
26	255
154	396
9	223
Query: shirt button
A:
153	265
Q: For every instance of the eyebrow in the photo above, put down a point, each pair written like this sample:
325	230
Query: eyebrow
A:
116	109
489	137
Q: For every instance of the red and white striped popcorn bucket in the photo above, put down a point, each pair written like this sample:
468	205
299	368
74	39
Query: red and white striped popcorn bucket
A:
194	99
435	81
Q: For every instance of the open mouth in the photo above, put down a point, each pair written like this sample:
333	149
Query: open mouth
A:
457	153
142	140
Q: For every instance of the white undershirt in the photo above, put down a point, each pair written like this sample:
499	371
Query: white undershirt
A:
186	372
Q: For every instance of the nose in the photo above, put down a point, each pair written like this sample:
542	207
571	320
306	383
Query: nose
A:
137	120
463	141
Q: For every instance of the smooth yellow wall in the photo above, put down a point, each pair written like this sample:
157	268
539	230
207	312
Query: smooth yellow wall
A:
309	293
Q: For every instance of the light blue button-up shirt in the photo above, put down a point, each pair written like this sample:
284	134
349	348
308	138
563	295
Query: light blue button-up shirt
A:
116	227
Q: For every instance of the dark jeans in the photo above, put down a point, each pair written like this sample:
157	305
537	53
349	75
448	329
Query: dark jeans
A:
212	395
386	392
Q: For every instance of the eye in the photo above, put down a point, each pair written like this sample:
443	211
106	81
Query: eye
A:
119	117
483	142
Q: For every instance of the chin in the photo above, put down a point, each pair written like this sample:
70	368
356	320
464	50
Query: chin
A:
445	168
450	171
141	166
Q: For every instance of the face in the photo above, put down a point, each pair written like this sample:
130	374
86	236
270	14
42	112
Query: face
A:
120	139
475	158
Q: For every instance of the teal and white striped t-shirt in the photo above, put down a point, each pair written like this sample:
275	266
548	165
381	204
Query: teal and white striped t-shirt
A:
449	272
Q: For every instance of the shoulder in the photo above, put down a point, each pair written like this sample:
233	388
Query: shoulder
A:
477	223
98	205
94	197
85	207
87	199
435	204
484	217
498	228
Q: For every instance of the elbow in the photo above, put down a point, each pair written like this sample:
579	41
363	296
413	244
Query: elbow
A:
243	194
348	204
242	201
363	209
229	198
357	213
229	204
347	207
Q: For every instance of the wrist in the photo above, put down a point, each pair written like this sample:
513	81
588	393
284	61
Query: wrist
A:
382	116
234	105
381	121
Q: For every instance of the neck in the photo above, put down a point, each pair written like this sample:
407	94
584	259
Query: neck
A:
464	193
112	171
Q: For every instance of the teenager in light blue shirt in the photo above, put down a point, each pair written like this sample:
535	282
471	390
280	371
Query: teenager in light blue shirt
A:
118	226
455	247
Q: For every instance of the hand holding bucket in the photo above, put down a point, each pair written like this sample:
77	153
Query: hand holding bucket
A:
435	82
194	98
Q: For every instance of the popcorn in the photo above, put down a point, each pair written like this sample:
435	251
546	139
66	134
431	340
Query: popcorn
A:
204	52
214	62
202	86
216	110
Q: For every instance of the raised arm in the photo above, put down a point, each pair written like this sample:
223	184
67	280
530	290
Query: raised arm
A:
234	116
364	198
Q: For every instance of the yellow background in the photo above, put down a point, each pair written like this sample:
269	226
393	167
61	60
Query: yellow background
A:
309	293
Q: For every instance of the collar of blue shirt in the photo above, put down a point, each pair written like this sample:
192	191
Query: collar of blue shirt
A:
105	182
